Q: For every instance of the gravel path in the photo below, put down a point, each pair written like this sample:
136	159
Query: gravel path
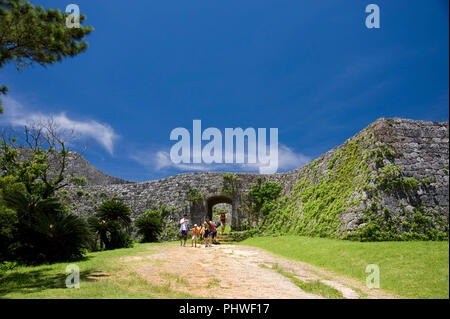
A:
235	271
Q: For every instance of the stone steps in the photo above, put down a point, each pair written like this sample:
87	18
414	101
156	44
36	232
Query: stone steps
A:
225	238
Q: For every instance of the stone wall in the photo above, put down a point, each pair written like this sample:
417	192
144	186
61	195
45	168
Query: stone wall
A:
421	148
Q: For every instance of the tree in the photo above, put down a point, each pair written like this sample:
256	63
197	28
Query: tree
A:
31	34
38	158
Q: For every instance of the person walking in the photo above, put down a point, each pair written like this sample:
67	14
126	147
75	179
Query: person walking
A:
223	221
208	232
184	229
201	232
195	233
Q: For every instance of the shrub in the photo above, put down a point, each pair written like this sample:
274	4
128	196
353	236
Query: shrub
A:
149	225
45	232
110	224
8	227
79	180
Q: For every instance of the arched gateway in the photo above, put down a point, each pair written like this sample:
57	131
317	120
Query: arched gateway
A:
204	208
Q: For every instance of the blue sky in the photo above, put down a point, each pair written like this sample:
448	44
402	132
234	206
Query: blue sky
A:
309	68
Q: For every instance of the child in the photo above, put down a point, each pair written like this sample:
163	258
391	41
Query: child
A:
201	233
194	233
207	234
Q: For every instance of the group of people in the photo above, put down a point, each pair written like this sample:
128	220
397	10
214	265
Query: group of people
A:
205	233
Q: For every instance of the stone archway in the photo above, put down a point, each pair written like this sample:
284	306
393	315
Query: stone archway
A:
217	199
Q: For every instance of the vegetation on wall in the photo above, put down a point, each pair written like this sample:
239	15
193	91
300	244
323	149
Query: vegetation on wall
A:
318	199
261	200
229	183
382	225
359	170
194	195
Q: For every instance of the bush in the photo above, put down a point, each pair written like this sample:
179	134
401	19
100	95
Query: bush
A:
149	225
45	232
8	228
110	224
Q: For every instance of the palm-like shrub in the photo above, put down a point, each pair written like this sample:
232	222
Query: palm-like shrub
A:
149	225
101	228
45	232
115	211
110	224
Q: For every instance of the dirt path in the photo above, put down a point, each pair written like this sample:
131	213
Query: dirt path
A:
232	271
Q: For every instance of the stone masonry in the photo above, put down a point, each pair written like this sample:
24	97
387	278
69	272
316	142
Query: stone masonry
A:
423	148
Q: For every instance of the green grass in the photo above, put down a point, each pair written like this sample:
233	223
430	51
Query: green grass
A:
314	287
102	275
413	269
227	229
213	283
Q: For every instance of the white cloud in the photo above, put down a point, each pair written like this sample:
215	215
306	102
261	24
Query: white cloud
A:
16	114
160	161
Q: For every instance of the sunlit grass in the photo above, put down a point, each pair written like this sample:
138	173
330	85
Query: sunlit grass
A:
102	275
413	269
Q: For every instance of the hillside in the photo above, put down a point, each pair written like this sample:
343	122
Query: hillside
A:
78	166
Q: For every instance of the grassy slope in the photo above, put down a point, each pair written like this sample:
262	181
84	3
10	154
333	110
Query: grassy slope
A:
48	281
414	269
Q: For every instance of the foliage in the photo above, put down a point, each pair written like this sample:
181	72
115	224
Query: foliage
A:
362	167
229	183
150	225
31	34
38	158
8	216
318	198
391	180
79	180
110	223
261	199
382	225
45	231
8	228
194	195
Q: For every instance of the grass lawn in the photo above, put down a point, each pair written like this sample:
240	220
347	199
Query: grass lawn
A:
414	269
102	275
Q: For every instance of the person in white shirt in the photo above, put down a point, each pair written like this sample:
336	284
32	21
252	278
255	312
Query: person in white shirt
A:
184	229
